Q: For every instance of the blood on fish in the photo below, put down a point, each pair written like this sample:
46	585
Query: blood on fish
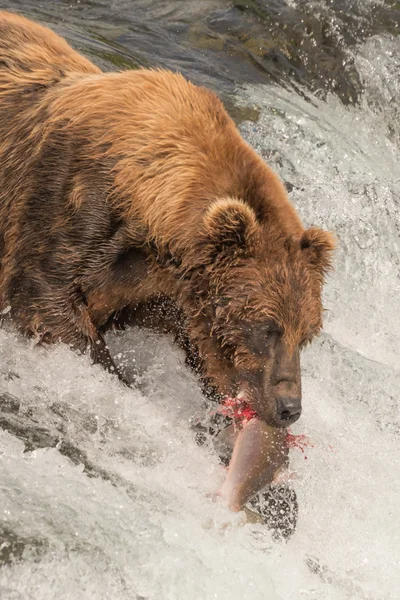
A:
240	412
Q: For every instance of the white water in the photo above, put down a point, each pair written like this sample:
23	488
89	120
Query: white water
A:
149	531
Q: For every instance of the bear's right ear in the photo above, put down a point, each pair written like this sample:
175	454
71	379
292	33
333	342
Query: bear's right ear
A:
318	245
230	225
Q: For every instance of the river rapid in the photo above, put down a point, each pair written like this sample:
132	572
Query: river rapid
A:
103	490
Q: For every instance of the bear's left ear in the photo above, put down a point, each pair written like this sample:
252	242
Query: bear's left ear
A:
230	225
318	245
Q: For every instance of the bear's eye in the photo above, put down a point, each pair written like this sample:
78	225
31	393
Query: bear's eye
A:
261	338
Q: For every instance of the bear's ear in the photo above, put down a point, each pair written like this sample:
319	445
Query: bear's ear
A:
230	225
318	245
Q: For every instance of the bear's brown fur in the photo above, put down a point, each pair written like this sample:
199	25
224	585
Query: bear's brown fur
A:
121	188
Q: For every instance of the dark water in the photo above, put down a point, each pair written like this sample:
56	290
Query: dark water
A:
223	44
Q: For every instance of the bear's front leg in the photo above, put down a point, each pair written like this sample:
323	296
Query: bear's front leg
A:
60	315
100	354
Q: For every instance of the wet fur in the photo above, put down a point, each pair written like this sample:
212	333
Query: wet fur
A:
121	188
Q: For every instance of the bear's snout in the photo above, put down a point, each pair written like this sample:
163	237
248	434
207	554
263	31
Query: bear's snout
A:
288	409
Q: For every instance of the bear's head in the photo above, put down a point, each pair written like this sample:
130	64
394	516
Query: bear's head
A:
263	305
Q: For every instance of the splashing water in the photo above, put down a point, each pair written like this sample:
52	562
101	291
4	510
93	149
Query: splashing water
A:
112	501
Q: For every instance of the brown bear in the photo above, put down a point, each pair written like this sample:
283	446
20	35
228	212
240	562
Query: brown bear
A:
119	190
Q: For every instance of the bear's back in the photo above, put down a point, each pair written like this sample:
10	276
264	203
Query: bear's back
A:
30	50
169	146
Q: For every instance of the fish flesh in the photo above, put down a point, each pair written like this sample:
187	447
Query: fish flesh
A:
260	455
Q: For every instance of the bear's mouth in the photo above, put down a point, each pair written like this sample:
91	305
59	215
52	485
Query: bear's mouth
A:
247	400
247	404
238	409
243	395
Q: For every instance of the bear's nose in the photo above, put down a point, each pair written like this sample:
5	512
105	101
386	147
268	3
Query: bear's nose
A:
288	409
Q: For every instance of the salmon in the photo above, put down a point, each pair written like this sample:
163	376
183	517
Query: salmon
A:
260	454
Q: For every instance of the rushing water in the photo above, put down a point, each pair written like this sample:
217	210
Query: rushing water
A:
103	489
